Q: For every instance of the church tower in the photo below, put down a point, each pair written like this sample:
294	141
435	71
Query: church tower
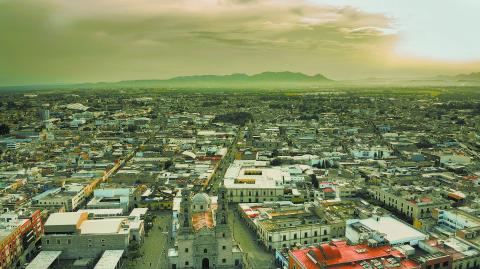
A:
221	216
185	215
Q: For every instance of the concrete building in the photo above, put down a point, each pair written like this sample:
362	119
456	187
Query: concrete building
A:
70	197
414	207
283	224
18	235
383	230
252	182
112	198
79	237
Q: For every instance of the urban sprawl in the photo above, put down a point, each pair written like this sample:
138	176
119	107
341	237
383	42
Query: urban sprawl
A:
261	179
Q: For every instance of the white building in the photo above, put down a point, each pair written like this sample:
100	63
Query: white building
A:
251	181
384	229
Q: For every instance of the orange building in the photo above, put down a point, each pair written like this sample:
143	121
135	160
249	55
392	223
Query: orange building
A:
17	234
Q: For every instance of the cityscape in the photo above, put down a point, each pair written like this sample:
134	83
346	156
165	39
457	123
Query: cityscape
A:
307	138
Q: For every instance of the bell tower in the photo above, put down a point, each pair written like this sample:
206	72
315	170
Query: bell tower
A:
222	207
185	216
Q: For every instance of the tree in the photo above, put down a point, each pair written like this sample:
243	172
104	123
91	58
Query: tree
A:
276	162
424	143
4	129
238	118
314	179
168	164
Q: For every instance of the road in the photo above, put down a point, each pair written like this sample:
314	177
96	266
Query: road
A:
256	256
224	164
156	244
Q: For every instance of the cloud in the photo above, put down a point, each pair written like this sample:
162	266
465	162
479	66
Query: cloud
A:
98	40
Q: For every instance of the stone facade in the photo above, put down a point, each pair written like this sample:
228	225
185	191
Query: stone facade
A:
204	238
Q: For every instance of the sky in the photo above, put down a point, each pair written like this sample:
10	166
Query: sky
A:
65	41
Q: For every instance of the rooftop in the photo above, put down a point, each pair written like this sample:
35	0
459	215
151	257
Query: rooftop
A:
341	255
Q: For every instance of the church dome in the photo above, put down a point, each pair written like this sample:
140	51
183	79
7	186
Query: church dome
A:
201	202
201	198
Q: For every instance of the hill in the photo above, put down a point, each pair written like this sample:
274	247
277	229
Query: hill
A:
265	80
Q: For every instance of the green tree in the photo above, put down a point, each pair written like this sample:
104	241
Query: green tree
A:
4	129
315	182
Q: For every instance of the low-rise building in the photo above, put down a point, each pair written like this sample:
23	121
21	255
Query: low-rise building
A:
284	224
340	255
77	236
70	197
18	235
412	206
383	230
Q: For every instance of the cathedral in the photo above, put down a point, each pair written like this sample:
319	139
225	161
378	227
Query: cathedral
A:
204	239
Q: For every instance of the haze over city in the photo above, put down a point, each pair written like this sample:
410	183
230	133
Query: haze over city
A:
62	41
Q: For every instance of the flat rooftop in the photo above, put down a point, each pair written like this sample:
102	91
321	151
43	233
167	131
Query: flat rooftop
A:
66	218
101	226
109	259
43	260
394	229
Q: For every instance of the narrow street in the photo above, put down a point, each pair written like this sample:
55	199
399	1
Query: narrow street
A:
153	251
255	255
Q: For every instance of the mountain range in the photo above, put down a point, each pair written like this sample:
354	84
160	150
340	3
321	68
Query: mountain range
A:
265	80
239	80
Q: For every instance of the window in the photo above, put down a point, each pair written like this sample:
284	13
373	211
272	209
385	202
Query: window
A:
205	250
224	260
48	242
315	233
186	263
223	234
186	250
69	241
224	247
58	241
284	238
445	264
294	236
306	235
270	239
324	232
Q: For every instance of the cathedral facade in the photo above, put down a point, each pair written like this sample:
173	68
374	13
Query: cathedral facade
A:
204	239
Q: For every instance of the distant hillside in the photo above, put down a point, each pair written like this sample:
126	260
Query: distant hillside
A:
471	76
463	77
265	80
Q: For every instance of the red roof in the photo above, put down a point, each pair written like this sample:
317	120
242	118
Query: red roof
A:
202	219
339	255
328	190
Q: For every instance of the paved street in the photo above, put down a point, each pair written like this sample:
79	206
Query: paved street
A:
155	246
257	256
